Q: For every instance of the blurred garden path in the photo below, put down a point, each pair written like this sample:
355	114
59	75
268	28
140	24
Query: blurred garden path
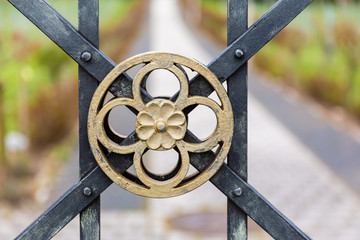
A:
291	174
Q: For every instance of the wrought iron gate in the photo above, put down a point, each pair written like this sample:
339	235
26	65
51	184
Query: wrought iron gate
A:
105	162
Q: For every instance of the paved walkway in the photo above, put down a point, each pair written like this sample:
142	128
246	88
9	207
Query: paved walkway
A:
286	172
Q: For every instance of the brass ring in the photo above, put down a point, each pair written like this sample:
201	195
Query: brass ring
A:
160	125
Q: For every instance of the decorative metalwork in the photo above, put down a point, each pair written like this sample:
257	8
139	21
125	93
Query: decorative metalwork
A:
82	46
160	125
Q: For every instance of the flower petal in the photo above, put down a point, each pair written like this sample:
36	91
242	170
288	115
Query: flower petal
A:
176	119
153	109
167	141
145	132
144	118
154	141
176	132
166	109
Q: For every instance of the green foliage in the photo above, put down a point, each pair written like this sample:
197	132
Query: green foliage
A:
216	6
307	63
318	53
277	64
114	11
30	62
353	96
326	64
39	83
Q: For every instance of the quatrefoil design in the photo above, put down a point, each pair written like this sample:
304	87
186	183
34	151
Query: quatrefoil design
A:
161	124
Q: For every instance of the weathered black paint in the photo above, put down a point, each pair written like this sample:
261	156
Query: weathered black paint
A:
227	66
251	202
58	29
89	28
237	24
67	207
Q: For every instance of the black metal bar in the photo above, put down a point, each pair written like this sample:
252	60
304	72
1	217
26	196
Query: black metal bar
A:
98	65
88	11
247	198
260	33
74	201
67	207
257	36
88	27
237	24
65	35
253	204
58	29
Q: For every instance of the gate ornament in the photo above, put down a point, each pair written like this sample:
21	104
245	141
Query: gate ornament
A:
160	125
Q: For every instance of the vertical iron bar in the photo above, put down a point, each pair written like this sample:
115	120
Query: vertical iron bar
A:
237	89
88	27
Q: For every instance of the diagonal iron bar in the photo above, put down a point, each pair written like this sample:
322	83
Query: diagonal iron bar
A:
256	37
65	35
67	207
251	202
59	214
58	29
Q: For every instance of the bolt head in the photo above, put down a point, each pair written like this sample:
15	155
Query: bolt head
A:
239	53
160	126
86	56
237	192
87	191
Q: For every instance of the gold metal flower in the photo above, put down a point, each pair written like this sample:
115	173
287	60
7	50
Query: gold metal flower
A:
161	124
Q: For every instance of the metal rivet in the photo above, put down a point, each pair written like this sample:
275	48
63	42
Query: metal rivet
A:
239	53
86	56
237	192
87	191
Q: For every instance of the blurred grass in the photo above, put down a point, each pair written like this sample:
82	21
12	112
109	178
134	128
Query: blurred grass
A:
39	83
318	53
30	62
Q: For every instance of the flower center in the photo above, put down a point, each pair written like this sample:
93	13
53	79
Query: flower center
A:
160	126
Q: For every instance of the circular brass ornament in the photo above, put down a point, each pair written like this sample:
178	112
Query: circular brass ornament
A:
160	125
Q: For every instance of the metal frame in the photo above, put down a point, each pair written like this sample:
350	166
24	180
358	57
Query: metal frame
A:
237	20
230	66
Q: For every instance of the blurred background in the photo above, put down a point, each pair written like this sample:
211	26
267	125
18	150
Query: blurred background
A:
307	79
39	99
